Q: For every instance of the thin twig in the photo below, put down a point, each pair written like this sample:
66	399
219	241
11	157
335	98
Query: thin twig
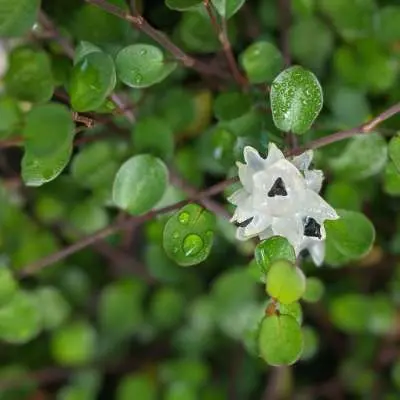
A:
141	24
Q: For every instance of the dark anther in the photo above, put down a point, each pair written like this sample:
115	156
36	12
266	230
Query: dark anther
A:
278	189
312	228
244	223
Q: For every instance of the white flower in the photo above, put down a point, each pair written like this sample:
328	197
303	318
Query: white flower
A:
3	58
280	197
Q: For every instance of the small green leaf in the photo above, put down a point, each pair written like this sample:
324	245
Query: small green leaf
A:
53	307
311	343
93	78
17	17
352	236
292	309
10	117
388	30
74	344
83	49
343	195
19	319
364	156
138	386
285	282
188	235
140	184
182	5
314	290
391	181
280	340
48	128
296	100
231	105
8	285
142	65
273	249
394	151
382	315
29	76
262	61
153	135
227	8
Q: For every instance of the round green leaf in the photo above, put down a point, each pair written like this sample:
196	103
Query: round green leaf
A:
343	195
352	235
182	5
364	156
74	344
93	78
296	100
142	65
17	17
292	309
389	24
227	8
10	117
231	105
262	61
314	290
140	184
280	340
311	343
382	315
48	127
83	49
391	182
20	319
273	249
53	307
29	75
137	386
8	285
188	235
153	135
285	282
394	151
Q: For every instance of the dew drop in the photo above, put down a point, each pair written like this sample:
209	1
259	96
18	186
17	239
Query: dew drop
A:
143	52
175	250
192	245
183	218
138	78
175	235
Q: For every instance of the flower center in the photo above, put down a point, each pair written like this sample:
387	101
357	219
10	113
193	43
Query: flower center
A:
278	189
312	228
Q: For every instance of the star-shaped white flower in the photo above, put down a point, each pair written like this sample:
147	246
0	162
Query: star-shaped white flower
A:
280	197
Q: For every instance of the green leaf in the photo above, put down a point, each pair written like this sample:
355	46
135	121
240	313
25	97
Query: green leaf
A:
388	30
343	195
140	184
8	285
153	135
314	290
17	17
382	315
29	75
10	117
142	65
53	307
280	340
296	100
83	49
394	151
39	170
350	236
74	344
188	235
190	371
273	249
285	282
182	5
48	128
231	105
227	8
391	180
292	309
93	79
19	319
363	156
262	61
311	343
138	386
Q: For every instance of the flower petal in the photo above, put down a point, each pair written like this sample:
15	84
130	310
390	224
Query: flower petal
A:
238	197
303	161
314	179
317	252
291	228
274	155
266	234
253	159
258	224
316	207
245	176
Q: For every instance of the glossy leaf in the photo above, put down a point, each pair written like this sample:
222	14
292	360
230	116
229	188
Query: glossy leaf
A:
296	100
273	249
280	340
182	5
10	117
394	151
344	195
140	184
188	235
142	65
83	49
19	319
262	62
17	17
8	285
231	105
285	282
227	8
391	179
29	76
292	309
93	78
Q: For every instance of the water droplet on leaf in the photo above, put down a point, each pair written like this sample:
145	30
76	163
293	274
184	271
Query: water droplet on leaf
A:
192	245
175	235
143	52
138	78
184	218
